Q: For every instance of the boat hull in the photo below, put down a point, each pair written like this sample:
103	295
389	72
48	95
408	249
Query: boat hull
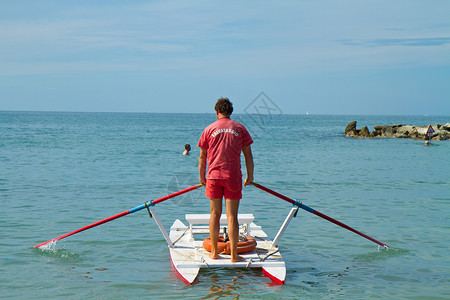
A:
188	255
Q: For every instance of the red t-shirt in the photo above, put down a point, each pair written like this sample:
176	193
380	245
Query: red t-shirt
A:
224	140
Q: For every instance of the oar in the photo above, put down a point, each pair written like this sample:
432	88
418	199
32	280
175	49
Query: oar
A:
309	209
150	203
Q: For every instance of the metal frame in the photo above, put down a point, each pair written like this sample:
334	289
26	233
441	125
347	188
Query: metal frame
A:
292	214
161	227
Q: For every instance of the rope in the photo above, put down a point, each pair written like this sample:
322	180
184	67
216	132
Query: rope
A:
265	257
187	228
149	213
249	262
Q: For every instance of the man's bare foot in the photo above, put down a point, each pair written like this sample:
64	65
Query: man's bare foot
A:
214	256
237	259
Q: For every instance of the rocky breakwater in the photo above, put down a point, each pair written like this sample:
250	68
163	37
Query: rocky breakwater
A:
441	132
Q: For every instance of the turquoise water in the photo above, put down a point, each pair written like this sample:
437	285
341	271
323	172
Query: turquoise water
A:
63	171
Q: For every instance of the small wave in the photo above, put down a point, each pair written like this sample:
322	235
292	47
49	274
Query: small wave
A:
381	254
50	246
50	250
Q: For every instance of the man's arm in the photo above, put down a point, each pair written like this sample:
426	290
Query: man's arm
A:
247	150
202	166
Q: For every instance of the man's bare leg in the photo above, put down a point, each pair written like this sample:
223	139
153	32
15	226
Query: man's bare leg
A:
214	226
233	227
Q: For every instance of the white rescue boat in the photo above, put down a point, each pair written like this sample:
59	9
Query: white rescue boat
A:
188	255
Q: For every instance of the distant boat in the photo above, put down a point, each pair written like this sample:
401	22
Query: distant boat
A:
307	113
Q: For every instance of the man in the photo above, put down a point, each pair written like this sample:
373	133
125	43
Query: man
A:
221	145
187	148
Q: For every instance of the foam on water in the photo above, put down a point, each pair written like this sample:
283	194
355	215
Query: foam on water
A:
51	250
50	246
381	255
382	249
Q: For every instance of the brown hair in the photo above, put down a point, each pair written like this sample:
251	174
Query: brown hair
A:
224	106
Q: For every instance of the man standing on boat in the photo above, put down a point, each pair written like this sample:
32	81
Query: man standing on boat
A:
221	145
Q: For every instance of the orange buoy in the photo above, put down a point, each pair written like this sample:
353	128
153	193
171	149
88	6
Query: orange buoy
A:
245	244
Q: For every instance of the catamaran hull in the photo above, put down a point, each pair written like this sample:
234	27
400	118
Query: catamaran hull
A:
188	255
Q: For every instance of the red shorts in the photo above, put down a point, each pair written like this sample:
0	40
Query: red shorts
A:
218	188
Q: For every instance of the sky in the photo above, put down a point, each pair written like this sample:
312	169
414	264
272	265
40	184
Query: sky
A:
349	57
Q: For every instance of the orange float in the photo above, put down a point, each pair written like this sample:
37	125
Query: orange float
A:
245	244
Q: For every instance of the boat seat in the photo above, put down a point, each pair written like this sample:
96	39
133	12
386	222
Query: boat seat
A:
196	219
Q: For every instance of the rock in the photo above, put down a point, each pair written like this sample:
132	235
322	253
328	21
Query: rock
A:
445	135
352	133
405	129
375	133
400	135
350	127
441	132
422	130
364	132
413	133
387	132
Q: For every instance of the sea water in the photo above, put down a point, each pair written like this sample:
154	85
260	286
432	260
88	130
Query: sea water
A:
62	171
